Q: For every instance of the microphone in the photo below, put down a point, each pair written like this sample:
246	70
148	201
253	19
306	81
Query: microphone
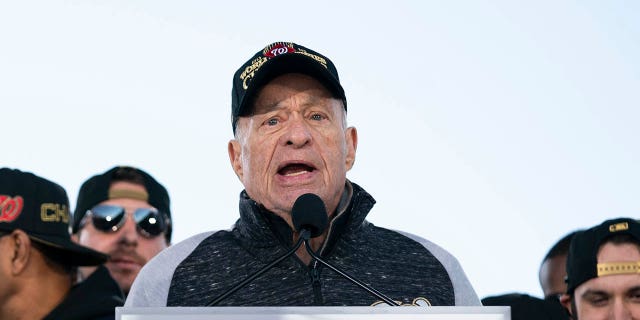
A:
309	226
309	213
309	217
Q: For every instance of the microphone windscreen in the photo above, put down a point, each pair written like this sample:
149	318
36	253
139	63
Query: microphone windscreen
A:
309	212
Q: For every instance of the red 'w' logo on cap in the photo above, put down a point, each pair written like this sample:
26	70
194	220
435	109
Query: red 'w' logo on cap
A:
10	208
278	49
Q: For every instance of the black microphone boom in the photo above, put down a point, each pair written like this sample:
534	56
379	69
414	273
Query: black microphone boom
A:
309	213
255	275
353	280
311	226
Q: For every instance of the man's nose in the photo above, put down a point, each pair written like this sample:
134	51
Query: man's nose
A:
621	310
297	133
128	233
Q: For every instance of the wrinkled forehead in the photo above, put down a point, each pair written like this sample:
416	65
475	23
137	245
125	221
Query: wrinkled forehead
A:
305	89
302	102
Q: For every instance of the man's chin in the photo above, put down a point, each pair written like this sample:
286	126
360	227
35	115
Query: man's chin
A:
125	282
290	196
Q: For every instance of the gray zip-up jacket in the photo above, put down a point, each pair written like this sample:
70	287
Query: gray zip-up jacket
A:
408	269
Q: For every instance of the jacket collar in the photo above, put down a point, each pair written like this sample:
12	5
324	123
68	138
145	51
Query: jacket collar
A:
262	228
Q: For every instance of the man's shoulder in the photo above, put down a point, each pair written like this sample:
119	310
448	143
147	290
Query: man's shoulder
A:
96	297
182	249
151	287
464	293
439	252
418	246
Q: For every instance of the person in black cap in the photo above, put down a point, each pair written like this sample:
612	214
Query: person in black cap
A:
552	270
38	258
526	307
123	212
603	272
291	138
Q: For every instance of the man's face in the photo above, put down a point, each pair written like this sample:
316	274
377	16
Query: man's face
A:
613	296
552	273
294	143
128	250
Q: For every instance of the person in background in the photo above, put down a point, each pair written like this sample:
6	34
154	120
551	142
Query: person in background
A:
526	307
603	272
553	269
291	139
38	258
123	212
551	275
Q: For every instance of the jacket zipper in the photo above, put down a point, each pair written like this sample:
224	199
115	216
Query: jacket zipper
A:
315	270
315	283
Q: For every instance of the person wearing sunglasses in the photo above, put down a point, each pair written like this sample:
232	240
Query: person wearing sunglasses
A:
125	213
38	259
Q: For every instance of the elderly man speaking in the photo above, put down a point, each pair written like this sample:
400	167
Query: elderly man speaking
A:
291	150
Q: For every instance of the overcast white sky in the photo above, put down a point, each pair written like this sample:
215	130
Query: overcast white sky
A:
492	128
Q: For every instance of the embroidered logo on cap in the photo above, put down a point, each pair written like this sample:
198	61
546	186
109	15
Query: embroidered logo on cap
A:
610	268
619	227
278	48
271	51
54	212
10	207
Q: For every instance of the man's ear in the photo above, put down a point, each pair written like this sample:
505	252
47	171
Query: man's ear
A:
351	137
75	237
565	300
235	156
20	251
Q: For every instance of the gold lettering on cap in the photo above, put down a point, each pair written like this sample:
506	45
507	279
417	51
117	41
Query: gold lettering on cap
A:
54	212
320	59
250	71
611	268
618	227
273	50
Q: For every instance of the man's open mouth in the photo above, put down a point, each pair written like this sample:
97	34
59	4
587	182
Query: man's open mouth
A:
295	169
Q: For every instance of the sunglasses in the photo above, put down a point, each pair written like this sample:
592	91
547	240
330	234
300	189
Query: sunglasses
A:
108	218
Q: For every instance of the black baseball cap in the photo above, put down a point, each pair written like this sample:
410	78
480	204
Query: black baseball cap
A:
40	208
582	260
96	190
275	60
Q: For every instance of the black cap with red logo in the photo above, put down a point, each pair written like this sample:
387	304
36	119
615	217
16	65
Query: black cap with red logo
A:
40	208
275	60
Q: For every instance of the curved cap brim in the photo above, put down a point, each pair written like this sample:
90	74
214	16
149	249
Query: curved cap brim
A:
72	253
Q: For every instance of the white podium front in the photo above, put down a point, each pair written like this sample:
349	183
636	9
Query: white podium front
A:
315	313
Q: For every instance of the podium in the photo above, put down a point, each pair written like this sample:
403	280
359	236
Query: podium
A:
315	313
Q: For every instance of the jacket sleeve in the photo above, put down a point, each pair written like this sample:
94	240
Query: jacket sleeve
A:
151	287
464	293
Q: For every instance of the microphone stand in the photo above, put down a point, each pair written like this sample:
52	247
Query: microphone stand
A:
244	282
305	235
353	280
